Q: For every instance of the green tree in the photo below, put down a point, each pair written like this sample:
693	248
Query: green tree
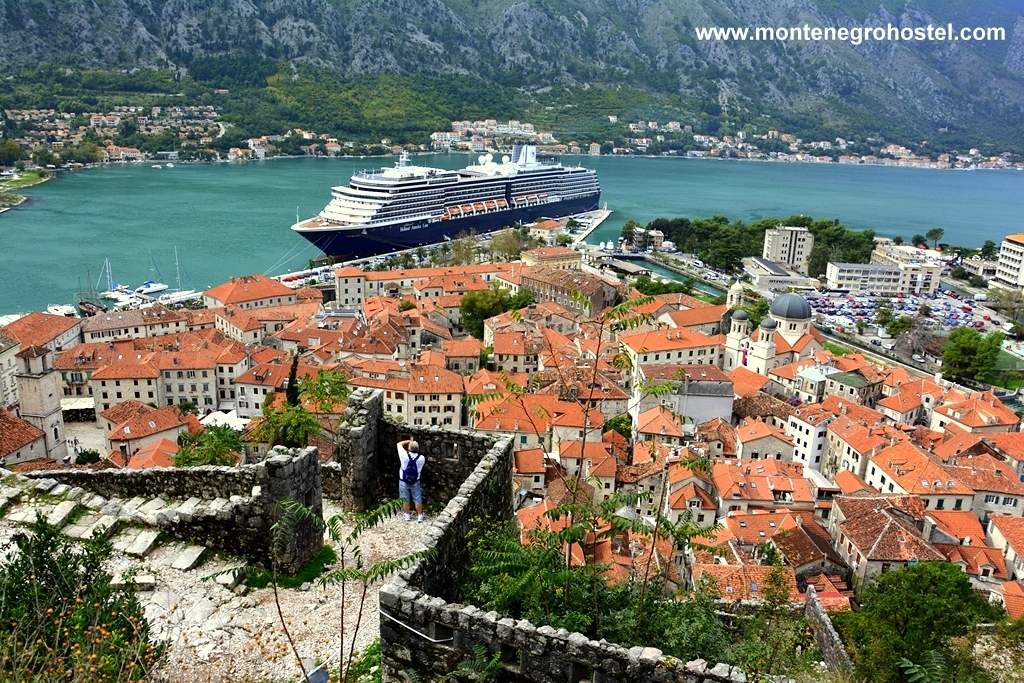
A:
897	240
406	305
924	311
629	230
10	152
908	612
934	235
622	424
883	314
478	306
87	456
756	310
326	390
62	617
918	239
897	326
292	390
563	240
507	245
989	250
645	285
774	636
214	445
289	426
969	354
465	248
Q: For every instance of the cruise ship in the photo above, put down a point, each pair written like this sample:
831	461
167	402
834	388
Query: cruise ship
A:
407	206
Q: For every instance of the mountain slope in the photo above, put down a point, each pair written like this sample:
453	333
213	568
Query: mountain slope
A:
909	89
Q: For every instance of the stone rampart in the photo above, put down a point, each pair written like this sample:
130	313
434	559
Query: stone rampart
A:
833	653
248	501
366	470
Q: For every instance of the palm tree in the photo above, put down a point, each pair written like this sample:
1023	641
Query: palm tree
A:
935	234
215	445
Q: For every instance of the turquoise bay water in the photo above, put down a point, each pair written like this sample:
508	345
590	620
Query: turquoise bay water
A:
228	219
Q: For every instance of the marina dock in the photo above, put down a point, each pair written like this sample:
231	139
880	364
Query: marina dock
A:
591	222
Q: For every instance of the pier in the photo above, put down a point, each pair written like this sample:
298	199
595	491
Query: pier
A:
591	222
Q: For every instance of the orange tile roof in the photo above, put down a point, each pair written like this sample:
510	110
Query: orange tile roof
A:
148	423
119	412
680	499
484	382
16	433
533	413
659	421
465	347
39	329
761	481
982	410
157	454
417	273
551	252
848	482
513	343
902	402
883	528
1012	529
1013	599
247	288
744	582
145	369
916	473
695	317
668	340
960	524
972	558
984	472
752	430
529	461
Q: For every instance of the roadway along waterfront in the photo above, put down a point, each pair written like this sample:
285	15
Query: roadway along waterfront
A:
228	219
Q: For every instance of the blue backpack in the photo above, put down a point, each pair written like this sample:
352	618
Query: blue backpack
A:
411	473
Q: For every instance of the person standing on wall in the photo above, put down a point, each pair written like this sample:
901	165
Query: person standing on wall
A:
410	469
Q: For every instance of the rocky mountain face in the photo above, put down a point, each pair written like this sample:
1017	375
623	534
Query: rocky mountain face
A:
925	87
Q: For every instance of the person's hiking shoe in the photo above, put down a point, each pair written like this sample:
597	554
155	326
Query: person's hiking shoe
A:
408	516
421	518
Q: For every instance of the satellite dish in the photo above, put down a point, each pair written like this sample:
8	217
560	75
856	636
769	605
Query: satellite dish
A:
482	159
505	159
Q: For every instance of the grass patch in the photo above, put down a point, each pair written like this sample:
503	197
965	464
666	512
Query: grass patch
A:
366	666
836	349
260	578
24	179
1009	372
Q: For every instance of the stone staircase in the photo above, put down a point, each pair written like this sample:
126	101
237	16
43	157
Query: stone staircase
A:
133	526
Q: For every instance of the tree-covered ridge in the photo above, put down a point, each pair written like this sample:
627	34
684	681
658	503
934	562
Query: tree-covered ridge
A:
953	94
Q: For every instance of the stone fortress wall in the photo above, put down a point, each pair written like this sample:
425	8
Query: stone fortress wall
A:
227	508
426	632
424	629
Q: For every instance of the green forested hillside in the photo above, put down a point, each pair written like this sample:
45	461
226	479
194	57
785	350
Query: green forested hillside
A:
393	66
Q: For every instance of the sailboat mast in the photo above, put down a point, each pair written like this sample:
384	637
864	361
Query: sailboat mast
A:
177	267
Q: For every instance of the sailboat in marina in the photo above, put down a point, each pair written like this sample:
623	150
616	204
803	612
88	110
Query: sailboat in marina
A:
178	295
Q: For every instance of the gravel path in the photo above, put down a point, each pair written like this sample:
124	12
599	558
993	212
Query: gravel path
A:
216	635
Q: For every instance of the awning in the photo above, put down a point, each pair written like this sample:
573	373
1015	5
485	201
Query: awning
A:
78	403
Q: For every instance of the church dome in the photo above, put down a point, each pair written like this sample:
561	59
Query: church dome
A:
768	324
740	315
791	306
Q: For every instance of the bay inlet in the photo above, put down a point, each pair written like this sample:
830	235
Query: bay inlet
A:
228	219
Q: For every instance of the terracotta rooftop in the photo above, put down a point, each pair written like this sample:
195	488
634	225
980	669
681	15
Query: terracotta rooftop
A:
15	433
247	288
148	423
743	582
39	329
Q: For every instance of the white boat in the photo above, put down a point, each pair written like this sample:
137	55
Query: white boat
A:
178	297
169	165
150	287
157	166
62	309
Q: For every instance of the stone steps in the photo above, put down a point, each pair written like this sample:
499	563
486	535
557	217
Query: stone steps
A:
132	525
